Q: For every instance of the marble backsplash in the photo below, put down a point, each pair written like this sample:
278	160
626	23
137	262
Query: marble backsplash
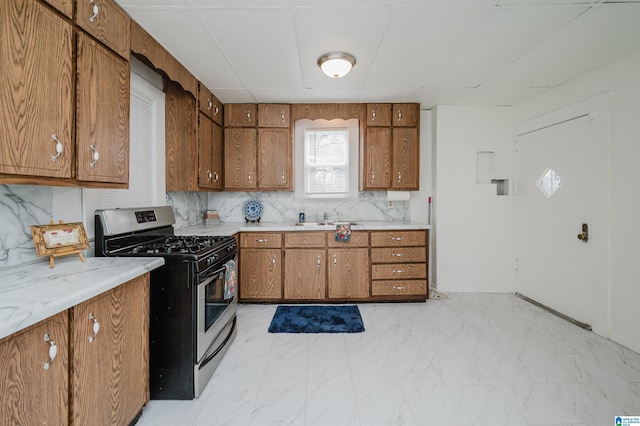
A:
284	207
23	205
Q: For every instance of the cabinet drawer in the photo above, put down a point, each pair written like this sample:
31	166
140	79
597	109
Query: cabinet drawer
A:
398	238
398	254
399	271
305	239
259	239
357	239
392	288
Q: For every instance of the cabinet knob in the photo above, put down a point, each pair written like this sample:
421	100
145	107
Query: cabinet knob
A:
95	327
374	114
59	148
53	351
399	177
95	155
399	115
95	11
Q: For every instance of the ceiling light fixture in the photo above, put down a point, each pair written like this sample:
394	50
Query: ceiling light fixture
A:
336	64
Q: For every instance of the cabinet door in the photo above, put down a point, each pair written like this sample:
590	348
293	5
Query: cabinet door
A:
30	391
305	274
64	6
110	367
378	114
107	22
240	158
102	114
240	115
405	115
209	104
275	153
205	141
348	276
217	142
180	139
406	159
274	115
36	86
376	167
260	274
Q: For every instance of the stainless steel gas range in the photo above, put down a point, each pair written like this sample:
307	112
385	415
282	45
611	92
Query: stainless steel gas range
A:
193	301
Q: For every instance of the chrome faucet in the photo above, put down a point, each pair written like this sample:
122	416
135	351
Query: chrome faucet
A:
324	218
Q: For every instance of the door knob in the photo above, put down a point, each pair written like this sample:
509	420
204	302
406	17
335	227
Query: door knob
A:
584	235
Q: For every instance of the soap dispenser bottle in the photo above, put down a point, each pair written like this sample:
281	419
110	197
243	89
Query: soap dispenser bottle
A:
301	216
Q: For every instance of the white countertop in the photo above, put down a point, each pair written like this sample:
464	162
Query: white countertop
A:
33	292
230	228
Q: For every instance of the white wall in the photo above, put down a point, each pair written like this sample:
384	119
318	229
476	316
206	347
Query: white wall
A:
621	81
473	224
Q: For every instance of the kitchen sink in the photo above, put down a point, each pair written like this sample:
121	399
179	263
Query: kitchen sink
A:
323	223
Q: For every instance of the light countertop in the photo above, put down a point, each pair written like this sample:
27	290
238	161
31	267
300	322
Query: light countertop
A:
33	292
230	228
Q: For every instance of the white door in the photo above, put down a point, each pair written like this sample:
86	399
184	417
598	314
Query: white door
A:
559	171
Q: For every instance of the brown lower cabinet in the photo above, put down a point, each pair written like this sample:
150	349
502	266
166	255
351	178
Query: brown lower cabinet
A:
310	266
98	372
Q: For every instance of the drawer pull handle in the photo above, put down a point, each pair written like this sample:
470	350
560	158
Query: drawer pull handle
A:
397	238
335	260
283	178
216	110
273	261
95	328
95	11
399	177
209	175
248	116
53	351
261	240
282	116
59	148
373	115
398	271
399	115
399	287
373	177
96	156
210	105
397	254
215	176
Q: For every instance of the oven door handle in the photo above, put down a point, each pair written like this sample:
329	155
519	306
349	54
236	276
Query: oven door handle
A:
206	276
209	357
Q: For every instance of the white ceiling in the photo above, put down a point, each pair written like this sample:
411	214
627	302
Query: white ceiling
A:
436	52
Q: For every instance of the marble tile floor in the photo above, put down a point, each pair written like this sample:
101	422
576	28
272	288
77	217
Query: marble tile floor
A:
469	359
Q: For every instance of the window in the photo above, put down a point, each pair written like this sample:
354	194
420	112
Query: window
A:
326	162
326	158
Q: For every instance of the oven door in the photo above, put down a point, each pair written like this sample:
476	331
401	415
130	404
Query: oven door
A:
216	304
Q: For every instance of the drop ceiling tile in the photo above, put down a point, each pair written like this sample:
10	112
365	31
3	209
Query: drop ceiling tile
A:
260	43
601	36
190	43
152	3
418	41
239	4
503	38
238	96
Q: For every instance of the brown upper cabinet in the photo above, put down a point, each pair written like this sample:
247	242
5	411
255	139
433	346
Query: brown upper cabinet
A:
406	160
378	114
107	22
209	104
405	115
240	148
102	114
274	115
181	143
36	134
210	153
240	115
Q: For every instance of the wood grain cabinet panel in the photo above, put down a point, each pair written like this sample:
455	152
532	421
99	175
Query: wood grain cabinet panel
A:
107	22
305	274
404	271
275	162
405	115
399	254
209	153
260	274
398	238
240	145
357	239
181	147
261	239
376	159
406	159
102	114
29	393
399	288
274	115
240	115
36	87
305	239
378	115
64	6
110	356
348	273
209	104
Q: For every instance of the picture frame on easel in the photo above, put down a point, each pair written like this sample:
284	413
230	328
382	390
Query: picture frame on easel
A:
61	239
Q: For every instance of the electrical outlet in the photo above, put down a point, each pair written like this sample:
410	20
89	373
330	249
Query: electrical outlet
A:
389	204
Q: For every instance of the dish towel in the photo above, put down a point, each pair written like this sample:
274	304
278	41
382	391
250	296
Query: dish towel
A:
343	232
230	280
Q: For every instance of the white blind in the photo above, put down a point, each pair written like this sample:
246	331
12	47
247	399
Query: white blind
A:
146	156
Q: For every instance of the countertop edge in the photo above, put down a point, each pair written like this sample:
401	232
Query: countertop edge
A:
69	283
